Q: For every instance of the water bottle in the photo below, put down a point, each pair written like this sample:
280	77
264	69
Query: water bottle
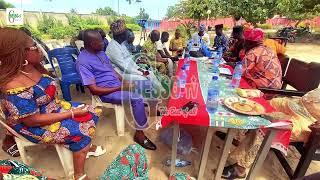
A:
236	77
215	66
179	163
187	61
213	95
181	83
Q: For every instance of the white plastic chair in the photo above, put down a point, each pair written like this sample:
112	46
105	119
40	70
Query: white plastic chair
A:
119	111
65	155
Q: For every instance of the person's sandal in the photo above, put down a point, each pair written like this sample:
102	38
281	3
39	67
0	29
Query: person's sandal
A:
230	172
98	152
13	151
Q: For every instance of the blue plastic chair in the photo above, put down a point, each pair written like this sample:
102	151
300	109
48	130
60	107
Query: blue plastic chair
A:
67	66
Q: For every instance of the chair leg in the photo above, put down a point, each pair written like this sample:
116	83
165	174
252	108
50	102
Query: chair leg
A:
119	111
77	87
82	89
308	153
66	159
22	151
65	88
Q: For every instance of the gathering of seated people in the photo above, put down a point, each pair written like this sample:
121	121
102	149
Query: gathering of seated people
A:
109	69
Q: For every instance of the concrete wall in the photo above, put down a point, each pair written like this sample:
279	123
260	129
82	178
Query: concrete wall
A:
32	17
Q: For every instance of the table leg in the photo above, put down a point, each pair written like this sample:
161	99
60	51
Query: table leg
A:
205	152
174	147
225	153
262	154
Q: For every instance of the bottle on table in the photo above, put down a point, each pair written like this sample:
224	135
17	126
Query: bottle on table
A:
213	95
215	65
186	60
236	77
181	83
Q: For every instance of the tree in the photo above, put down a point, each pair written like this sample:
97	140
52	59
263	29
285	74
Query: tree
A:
197	9
73	11
4	5
252	11
143	14
299	9
171	12
106	11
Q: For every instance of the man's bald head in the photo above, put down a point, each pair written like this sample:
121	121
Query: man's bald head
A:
93	40
155	35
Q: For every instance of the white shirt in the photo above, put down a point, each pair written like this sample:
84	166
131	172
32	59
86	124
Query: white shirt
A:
122	58
160	46
205	37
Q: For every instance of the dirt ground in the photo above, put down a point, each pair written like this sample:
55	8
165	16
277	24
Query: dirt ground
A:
45	159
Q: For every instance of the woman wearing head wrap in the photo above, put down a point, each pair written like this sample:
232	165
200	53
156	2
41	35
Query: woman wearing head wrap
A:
261	66
31	106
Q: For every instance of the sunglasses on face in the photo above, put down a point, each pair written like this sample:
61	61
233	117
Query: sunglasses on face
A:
32	48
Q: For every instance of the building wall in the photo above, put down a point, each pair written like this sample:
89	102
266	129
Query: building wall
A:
32	17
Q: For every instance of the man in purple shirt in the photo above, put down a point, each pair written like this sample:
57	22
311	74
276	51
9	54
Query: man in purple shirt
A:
99	76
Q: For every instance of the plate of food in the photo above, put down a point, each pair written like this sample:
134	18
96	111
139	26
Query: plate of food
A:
244	106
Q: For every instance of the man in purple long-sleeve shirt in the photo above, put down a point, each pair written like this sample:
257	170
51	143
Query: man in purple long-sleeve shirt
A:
99	76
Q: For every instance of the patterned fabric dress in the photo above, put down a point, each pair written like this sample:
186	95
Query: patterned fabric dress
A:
130	164
262	69
19	103
14	170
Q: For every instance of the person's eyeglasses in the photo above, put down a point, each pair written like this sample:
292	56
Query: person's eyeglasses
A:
32	48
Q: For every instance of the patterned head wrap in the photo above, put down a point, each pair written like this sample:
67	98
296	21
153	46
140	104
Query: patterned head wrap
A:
255	35
118	27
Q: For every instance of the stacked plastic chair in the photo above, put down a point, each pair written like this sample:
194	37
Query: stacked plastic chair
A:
69	75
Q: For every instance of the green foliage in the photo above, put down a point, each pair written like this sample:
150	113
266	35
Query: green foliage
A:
197	9
186	29
298	9
143	14
45	23
252	11
106	11
49	26
264	26
128	19
133	27
171	12
4	5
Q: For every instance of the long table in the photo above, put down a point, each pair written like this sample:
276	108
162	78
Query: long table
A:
196	91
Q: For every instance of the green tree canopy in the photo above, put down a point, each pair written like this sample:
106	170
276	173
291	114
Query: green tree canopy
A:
4	5
298	9
143	14
106	11
252	11
171	12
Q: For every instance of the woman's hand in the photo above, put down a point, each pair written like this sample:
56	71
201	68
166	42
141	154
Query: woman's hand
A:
80	111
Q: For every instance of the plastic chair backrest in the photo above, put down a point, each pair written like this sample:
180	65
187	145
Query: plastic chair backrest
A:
65	60
303	76
12	131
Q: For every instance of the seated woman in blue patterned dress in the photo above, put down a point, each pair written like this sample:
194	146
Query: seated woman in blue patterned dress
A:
28	99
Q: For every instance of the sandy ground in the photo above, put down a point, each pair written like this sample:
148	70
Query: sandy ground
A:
45	159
